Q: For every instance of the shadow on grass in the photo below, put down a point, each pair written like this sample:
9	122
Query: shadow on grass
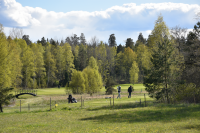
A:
190	126
123	106
159	113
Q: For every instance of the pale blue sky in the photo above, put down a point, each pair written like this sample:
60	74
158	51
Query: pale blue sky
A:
58	19
90	5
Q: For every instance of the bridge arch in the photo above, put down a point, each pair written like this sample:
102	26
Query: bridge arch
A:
23	92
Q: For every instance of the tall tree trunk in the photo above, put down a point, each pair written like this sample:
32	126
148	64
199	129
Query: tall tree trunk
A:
26	79
39	82
48	76
1	108
167	94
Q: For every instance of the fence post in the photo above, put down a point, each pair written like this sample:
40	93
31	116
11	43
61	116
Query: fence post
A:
50	103
110	101
20	105
145	100
113	100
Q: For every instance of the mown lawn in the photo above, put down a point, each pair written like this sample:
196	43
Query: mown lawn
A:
61	91
127	115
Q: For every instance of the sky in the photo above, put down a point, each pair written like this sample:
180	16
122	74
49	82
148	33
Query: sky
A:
59	19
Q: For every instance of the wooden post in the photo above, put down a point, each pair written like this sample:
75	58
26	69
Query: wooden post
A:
50	103
20	105
145	101
113	100
81	101
194	98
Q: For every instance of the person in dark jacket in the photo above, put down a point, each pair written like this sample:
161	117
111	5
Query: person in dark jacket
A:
70	99
130	89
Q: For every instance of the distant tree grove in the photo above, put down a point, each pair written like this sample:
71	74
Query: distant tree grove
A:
167	62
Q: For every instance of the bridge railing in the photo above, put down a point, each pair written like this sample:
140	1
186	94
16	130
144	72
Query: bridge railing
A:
26	91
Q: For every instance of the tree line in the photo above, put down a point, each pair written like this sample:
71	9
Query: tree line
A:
167	62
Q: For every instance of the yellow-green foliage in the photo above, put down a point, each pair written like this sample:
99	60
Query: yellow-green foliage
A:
158	33
93	63
129	57
134	73
143	56
68	57
77	83
102	61
50	64
93	81
38	63
5	79
187	92
16	64
28	67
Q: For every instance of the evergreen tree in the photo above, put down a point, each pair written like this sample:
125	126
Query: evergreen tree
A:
130	43
165	63
26	38
5	96
82	57
112	40
82	39
5	70
120	48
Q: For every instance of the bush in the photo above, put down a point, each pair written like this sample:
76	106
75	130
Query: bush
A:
110	90
188	93
110	83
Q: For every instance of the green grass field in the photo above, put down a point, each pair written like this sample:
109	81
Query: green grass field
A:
127	114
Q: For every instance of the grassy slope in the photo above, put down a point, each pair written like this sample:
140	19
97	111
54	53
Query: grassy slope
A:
97	116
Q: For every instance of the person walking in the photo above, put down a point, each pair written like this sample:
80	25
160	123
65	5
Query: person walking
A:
119	91
130	89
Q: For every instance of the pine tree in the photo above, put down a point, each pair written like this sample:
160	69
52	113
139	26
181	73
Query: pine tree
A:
112	40
5	70
162	73
82	57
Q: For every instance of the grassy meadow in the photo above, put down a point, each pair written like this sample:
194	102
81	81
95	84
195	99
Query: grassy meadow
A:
96	115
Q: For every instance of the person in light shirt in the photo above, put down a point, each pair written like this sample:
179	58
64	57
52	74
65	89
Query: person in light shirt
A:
119	91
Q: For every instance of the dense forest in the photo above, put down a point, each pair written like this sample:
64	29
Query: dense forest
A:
167	62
